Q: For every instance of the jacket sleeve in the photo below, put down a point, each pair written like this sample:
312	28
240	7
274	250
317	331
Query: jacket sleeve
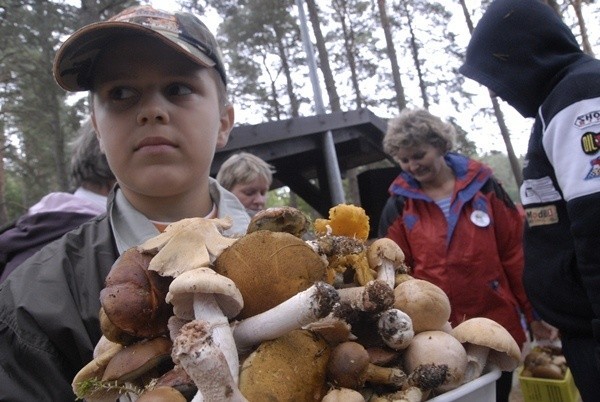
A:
508	224
572	144
49	320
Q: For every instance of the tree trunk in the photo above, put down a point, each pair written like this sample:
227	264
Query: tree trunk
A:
512	158
415	54
385	24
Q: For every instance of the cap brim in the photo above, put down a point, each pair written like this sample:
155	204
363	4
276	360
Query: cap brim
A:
75	60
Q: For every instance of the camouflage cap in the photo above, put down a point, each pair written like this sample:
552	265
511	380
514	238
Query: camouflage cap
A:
185	33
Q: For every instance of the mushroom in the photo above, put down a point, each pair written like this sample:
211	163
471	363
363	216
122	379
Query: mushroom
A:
289	368
387	258
280	219
187	244
195	350
395	328
132	361
437	348
204	295
349	367
269	268
343	395
419	384
486	342
87	382
301	309
133	300
427	304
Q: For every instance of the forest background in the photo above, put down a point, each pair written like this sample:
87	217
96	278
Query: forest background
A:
378	54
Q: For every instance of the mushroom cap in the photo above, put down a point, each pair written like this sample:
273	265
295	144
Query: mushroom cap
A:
482	331
343	395
437	348
269	268
134	360
280	219
289	368
385	249
187	244
203	280
94	371
427	304
134	297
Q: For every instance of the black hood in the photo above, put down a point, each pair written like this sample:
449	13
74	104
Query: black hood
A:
519	50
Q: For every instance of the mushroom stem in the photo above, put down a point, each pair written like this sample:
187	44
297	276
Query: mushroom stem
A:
386	257
374	296
476	360
207	309
204	362
395	329
299	310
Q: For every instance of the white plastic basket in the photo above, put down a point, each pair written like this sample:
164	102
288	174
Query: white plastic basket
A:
482	389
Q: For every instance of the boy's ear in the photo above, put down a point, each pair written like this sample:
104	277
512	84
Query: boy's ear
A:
227	119
93	117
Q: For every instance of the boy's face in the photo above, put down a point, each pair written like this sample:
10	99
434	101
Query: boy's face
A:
158	118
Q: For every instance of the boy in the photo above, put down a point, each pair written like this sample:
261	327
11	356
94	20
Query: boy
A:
157	85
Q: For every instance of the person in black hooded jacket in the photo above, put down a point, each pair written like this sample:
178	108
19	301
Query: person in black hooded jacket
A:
523	53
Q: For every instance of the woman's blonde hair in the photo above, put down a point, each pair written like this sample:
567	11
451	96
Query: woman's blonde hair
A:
413	127
244	167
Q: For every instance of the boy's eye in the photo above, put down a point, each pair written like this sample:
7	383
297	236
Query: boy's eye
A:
121	93
178	90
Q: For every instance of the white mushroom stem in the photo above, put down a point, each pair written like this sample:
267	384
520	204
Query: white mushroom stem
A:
203	360
301	309
476	360
395	328
374	296
207	309
385	256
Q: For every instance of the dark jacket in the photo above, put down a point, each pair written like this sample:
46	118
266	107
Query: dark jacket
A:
49	306
30	233
475	255
524	53
49	314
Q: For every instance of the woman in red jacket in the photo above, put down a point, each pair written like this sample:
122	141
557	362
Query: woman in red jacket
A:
457	227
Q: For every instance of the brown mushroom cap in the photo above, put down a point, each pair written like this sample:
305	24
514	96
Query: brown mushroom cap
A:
134	360
350	367
134	297
504	350
437	348
280	219
427	304
269	268
289	368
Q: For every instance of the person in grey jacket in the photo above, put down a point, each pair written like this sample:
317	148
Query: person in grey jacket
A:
523	52
159	108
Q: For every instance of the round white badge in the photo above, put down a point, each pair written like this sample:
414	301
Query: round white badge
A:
480	218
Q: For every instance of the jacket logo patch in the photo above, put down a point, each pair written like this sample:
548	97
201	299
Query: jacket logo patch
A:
594	172
539	216
587	119
590	143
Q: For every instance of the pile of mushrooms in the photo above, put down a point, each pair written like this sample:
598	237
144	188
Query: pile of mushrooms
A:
281	314
545	361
